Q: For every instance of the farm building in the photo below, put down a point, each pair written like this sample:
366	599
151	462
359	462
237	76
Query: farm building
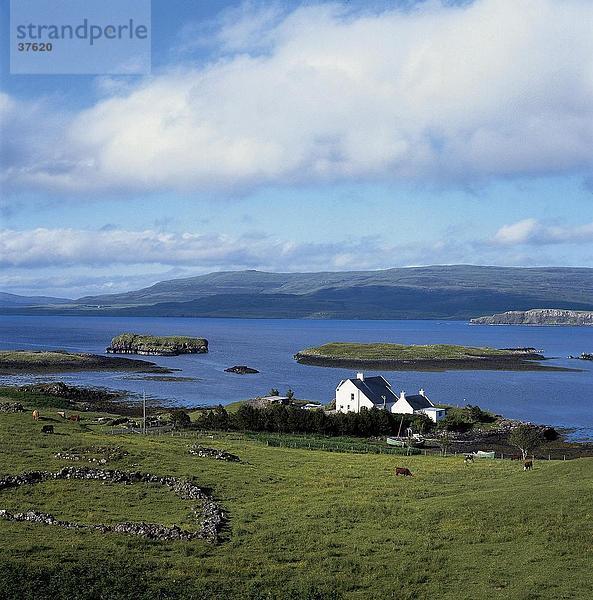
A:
360	392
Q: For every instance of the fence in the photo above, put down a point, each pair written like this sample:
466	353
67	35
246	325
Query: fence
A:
331	445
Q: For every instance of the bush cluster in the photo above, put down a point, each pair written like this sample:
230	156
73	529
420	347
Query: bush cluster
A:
464	419
291	419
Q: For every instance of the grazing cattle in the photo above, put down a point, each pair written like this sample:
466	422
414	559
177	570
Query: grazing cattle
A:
47	429
403	471
528	465
35	415
468	458
62	413
74	418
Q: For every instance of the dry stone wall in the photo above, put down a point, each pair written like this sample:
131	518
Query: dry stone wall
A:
208	514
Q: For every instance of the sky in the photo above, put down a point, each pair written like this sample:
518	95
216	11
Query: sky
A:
305	136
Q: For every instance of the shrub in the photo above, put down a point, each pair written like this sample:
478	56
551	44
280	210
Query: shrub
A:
180	419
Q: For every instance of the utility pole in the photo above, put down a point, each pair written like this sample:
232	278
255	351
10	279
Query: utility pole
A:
144	413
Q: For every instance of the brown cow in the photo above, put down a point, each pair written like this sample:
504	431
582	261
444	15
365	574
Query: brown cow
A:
528	465
35	415
74	418
403	471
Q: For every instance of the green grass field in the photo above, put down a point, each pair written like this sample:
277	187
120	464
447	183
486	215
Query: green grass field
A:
303	523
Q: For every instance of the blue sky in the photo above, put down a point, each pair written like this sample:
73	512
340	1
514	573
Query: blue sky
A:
305	136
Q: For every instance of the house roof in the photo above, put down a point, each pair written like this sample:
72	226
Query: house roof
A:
418	401
374	388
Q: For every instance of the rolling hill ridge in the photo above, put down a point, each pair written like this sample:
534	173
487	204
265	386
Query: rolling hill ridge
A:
435	292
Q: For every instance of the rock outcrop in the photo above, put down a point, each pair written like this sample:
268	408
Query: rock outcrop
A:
538	316
152	345
205	452
241	370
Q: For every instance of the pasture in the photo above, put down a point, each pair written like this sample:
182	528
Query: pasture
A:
303	523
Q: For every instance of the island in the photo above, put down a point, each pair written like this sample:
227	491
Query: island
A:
538	316
154	345
55	361
241	370
433	357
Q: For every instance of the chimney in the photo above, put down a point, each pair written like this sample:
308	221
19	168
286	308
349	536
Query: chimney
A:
402	395
360	376
422	393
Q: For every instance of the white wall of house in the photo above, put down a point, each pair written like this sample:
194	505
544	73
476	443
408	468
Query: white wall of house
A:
350	399
434	414
401	406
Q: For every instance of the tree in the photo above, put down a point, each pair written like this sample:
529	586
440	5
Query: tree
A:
445	441
455	421
526	437
273	392
180	419
289	394
477	415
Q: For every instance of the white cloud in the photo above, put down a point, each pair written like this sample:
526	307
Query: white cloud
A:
493	88
516	233
532	231
73	262
42	247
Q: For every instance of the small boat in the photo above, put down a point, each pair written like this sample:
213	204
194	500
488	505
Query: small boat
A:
416	441
481	454
392	441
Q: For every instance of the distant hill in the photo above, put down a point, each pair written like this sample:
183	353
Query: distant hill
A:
458	291
7	299
436	292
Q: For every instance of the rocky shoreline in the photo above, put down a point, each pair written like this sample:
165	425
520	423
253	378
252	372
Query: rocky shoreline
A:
538	316
519	362
59	361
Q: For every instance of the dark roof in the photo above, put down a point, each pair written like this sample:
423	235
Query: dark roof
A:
418	401
374	388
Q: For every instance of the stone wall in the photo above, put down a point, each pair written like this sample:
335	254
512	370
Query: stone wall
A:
11	407
205	452
209	515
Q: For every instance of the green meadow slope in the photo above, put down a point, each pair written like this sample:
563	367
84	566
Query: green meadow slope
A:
302	523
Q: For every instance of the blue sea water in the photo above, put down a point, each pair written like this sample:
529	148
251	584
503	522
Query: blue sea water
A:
563	399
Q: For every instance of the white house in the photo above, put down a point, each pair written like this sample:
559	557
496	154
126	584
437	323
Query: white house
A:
367	392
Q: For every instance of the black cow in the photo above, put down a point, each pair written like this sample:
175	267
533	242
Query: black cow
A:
47	429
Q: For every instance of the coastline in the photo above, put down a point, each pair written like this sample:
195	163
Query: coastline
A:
470	364
33	362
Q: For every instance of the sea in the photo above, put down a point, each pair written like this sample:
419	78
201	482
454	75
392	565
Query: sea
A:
562	399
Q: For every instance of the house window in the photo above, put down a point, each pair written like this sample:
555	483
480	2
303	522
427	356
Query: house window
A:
352	397
349	407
